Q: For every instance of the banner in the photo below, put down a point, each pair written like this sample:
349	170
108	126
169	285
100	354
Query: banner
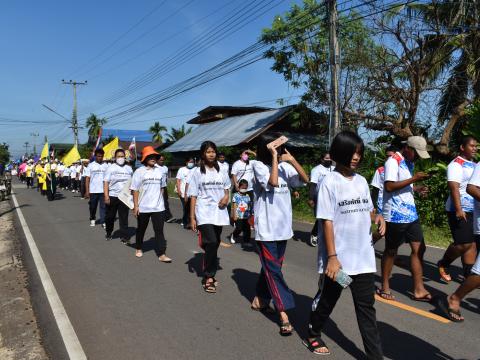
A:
110	149
72	156
97	143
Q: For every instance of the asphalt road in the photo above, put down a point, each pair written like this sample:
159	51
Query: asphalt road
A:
122	307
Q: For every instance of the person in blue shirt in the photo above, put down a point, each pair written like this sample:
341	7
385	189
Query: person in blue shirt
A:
241	211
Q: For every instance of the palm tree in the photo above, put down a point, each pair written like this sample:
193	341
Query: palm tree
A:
157	129
94	124
177	134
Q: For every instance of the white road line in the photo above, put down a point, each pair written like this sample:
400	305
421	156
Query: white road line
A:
70	339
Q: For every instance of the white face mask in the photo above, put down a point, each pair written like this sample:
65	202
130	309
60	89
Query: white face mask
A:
190	165
120	161
243	191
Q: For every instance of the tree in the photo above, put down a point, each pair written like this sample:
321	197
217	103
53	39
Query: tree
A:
4	154
156	129
177	134
94	124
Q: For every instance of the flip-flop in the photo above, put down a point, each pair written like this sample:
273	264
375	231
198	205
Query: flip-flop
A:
385	295
449	312
286	329
425	298
442	270
316	345
139	254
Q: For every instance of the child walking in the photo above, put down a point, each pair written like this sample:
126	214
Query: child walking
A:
241	210
345	209
209	188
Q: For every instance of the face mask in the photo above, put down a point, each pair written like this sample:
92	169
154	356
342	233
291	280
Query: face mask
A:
120	161
190	165
327	163
244	157
243	191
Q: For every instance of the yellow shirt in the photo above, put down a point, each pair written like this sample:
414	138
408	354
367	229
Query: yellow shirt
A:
29	169
40	173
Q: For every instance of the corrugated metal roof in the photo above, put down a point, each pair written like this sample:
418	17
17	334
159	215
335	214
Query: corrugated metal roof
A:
228	132
128	135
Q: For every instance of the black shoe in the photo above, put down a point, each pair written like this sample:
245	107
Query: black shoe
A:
108	237
172	219
125	241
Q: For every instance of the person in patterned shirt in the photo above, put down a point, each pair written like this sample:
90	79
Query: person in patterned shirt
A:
241	210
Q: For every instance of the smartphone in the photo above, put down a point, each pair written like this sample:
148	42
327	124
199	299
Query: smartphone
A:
277	142
343	279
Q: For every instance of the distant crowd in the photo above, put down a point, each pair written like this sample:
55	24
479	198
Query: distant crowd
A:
254	195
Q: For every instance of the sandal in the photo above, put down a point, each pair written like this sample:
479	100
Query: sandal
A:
442	270
314	345
425	298
138	253
386	295
286	329
209	286
451	314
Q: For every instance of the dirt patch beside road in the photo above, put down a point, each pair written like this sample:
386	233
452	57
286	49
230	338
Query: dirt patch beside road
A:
19	334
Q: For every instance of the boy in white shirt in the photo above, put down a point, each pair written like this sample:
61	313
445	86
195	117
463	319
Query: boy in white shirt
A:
182	176
94	187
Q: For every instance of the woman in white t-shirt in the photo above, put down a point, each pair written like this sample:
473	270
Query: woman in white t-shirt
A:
182	176
147	185
208	188
275	172
345	248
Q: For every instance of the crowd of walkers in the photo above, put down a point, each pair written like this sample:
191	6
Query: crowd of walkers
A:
255	194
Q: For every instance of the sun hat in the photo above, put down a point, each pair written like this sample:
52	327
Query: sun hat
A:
148	150
420	145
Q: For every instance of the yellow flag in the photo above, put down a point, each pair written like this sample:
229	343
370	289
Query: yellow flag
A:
72	156
44	153
110	149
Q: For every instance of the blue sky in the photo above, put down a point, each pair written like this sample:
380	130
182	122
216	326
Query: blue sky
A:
43	42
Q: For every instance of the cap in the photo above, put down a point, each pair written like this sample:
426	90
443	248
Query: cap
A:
420	145
148	150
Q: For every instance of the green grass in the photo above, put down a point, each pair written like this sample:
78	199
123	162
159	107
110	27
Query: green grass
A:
437	236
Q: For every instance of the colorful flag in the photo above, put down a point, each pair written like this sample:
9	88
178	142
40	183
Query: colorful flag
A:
133	149
44	153
72	156
97	143
110	149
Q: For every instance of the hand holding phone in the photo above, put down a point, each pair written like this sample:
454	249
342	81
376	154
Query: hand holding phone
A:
277	142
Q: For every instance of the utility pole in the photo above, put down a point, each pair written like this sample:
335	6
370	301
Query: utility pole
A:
74	113
334	55
27	145
34	135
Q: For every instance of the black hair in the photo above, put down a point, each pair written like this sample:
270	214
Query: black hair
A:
203	149
344	146
392	148
263	154
161	155
188	158
220	154
99	151
466	139
149	157
242	182
119	150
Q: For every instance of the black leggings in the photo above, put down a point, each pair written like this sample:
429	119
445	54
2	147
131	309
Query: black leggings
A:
210	241
111	210
363	293
158	219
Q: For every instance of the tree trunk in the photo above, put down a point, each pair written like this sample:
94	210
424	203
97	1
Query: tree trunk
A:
442	146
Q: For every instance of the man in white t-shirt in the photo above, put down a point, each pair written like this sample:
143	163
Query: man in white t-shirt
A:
379	179
94	187
181	182
242	169
400	214
224	166
316	177
161	165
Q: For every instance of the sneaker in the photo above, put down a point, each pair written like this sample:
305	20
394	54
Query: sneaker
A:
172	219
125	241
232	239
92	222
104	226
313	240
108	237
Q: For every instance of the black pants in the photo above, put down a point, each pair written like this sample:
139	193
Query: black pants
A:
29	182
93	203
83	187
111	211
168	214
363	291
242	226
51	188
158	219
66	182
186	211
210	241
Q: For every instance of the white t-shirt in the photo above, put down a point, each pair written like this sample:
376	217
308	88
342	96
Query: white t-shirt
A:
243	171
164	170
149	182
399	206
84	171
96	171
73	172
347	203
273	205
475	180
66	172
117	176
209	189
224	167
60	169
318	173
460	171
182	175
378	182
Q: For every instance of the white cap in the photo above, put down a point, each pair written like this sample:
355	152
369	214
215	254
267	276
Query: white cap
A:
420	145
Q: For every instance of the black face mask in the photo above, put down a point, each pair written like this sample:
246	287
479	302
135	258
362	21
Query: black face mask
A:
327	163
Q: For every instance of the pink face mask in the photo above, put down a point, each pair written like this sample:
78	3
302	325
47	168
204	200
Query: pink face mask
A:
244	157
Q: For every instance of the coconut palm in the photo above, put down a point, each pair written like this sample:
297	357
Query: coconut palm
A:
177	134
156	130
94	124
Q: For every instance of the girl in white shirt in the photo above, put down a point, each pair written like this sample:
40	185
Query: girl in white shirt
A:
182	175
208	188
147	184
273	225
345	208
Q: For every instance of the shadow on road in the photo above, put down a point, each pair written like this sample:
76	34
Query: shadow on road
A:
12	209
130	233
195	264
